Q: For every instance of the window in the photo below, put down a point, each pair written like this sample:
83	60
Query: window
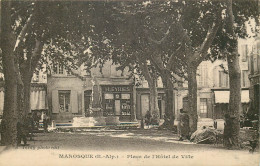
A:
36	77
203	75
64	100
109	96
109	104
58	69
117	104
61	69
203	106
223	79
126	104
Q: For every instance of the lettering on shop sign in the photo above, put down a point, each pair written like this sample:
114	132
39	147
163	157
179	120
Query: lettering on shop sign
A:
116	89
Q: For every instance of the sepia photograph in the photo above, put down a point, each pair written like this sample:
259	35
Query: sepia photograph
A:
129	82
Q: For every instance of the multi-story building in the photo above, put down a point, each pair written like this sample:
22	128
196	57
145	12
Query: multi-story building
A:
104	92
213	85
38	98
254	76
110	92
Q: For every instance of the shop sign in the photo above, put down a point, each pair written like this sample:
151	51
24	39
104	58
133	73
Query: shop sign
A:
116	89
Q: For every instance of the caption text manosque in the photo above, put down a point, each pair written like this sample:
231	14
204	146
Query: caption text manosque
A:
109	156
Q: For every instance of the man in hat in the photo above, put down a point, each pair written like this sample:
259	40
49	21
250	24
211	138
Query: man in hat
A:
183	126
148	117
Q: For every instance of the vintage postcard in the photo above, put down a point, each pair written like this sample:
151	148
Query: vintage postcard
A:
169	82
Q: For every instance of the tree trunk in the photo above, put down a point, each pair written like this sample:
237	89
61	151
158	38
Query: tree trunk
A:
232	126
153	100
27	95
151	79
169	109
26	75
9	122
20	102
192	98
27	69
23	98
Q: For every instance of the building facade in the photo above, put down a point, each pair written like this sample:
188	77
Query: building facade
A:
110	92
142	97
254	76
213	85
105	92
38	98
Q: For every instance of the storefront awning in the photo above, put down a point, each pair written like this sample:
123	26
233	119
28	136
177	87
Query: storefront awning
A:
38	101
223	96
1	102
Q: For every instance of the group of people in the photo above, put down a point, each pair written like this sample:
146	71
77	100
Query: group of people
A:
26	127
183	125
148	120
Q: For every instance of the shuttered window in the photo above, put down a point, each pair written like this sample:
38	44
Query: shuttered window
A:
203	105
223	79
202	75
64	100
55	102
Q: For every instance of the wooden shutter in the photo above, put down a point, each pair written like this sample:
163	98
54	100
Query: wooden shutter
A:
55	101
74	102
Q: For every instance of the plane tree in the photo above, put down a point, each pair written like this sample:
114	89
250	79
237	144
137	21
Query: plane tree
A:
238	13
27	28
128	31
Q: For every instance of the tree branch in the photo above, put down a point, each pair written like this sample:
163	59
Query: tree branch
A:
166	34
157	62
23	31
36	54
210	37
171	60
144	68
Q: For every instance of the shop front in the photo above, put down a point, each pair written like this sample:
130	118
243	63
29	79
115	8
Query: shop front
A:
142	102
118	101
222	100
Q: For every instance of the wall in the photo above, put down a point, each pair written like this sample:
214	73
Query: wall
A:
77	87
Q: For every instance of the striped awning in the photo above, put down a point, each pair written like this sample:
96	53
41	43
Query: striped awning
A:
1	102
38	100
223	96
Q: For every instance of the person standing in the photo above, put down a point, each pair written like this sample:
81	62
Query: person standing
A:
44	120
35	120
29	124
148	117
21	133
183	126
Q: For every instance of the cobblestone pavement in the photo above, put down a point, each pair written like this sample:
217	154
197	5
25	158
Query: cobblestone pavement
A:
127	147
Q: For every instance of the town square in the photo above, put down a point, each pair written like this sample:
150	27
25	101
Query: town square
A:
172	82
